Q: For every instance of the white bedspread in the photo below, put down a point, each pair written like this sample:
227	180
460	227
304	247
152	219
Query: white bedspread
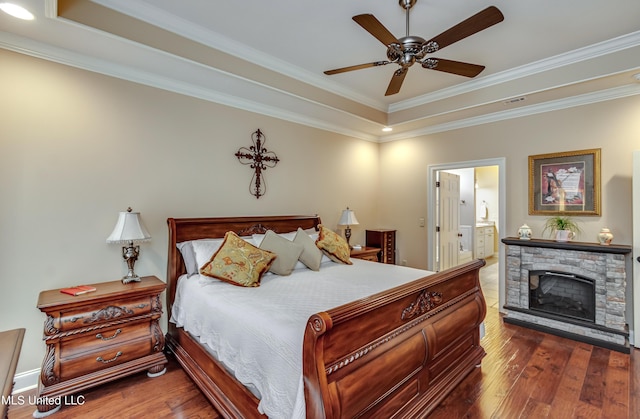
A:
257	332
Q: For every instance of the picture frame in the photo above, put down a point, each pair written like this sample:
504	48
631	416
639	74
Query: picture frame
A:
565	183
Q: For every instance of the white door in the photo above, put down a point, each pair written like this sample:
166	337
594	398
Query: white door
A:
636	249
448	220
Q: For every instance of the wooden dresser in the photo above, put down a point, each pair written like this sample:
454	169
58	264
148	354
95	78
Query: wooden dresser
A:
385	240
98	337
10	345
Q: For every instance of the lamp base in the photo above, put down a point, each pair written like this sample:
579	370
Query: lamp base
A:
130	254
130	278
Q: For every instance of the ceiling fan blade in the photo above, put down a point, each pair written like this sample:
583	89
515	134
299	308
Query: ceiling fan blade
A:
356	67
455	67
396	81
476	23
375	28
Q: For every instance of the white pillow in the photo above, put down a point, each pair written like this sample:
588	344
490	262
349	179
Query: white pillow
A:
188	256
204	250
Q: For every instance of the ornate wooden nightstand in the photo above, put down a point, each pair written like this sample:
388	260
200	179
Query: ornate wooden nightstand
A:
367	253
98	337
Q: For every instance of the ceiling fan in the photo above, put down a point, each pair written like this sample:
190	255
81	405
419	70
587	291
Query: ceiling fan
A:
408	50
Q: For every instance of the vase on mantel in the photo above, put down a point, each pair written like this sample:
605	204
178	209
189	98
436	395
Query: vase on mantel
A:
605	237
524	232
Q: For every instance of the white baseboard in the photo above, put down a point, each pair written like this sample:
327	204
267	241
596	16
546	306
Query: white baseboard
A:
26	381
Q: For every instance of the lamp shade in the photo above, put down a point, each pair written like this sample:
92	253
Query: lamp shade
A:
348	218
129	228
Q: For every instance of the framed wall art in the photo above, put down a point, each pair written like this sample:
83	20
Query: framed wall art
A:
565	183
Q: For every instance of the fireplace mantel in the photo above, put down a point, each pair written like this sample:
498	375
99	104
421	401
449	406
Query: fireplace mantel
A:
582	246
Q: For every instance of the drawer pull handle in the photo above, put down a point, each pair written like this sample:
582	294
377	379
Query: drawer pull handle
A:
106	361
99	335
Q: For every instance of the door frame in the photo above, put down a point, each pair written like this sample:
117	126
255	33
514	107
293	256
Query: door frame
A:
634	331
432	171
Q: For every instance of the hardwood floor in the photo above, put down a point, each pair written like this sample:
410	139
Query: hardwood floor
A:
530	374
526	374
172	395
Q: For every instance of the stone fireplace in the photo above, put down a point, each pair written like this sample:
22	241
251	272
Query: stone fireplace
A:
576	290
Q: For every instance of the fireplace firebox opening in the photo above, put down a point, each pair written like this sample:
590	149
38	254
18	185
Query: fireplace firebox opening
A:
562	294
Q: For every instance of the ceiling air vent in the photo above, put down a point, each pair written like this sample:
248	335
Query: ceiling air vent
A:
514	100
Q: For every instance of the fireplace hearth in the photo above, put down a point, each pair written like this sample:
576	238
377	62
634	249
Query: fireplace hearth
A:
576	290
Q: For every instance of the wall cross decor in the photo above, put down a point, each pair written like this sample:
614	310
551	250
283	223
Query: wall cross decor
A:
259	160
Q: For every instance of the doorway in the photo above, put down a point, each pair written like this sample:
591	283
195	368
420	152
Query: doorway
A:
432	205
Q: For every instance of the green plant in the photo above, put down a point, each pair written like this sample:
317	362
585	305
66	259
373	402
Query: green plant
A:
561	222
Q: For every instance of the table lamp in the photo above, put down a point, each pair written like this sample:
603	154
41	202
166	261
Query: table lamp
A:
348	219
129	229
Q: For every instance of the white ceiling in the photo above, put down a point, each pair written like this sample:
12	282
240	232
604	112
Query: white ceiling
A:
553	53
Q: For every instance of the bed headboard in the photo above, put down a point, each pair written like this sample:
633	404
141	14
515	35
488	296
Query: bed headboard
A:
183	229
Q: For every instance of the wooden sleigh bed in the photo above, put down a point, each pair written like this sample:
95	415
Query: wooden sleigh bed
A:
394	354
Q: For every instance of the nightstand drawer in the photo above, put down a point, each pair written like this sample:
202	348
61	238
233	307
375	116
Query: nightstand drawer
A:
372	258
74	346
103	358
102	313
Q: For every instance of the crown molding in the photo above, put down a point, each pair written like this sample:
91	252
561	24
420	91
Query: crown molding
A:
555	105
47	52
310	113
157	17
579	55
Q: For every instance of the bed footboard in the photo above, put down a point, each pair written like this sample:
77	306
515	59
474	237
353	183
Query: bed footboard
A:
398	353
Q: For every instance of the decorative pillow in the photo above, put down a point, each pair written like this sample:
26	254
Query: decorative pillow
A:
238	262
333	245
205	248
288	252
257	238
311	256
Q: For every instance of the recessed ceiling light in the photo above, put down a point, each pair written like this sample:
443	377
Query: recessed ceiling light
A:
16	11
387	129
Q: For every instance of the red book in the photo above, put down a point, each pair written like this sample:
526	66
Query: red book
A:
78	289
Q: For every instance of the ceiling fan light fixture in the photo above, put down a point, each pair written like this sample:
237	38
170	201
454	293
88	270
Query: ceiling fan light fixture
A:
408	50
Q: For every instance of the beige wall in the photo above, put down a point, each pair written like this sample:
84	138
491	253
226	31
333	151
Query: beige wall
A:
77	147
613	126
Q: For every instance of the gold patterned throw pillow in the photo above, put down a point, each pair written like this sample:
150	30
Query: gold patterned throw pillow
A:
333	245
238	262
